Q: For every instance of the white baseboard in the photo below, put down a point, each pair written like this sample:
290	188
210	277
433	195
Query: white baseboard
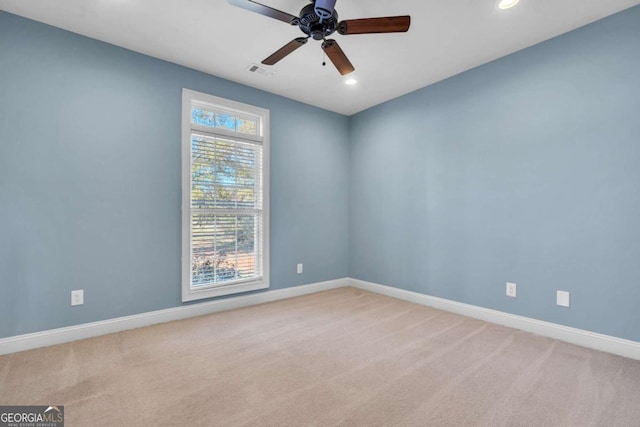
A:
619	346
88	330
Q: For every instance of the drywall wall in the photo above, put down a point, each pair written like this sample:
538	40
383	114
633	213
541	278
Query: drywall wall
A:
523	170
90	180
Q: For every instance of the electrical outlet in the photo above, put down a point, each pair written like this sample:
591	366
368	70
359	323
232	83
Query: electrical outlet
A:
511	290
77	297
562	298
299	269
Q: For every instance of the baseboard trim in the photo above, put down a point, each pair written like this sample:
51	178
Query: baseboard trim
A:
609	344
614	345
72	333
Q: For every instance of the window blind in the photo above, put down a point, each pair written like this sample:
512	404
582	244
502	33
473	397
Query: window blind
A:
227	219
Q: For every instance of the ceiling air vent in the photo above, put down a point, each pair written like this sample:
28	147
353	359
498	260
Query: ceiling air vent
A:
257	69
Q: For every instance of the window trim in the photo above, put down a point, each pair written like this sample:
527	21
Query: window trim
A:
188	98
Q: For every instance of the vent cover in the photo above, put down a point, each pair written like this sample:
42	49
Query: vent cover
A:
258	69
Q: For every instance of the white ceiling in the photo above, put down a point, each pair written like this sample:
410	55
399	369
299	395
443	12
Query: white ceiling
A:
446	38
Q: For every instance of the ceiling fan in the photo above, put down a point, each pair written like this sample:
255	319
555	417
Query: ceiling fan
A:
318	21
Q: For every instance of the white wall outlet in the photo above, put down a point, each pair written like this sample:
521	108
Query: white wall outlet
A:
562	298
511	290
299	269
77	297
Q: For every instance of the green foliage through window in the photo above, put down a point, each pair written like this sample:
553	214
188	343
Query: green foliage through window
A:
226	121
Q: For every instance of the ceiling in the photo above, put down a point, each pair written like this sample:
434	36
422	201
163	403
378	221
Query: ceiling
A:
446	38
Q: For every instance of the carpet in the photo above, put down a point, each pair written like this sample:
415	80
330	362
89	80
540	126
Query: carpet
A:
343	357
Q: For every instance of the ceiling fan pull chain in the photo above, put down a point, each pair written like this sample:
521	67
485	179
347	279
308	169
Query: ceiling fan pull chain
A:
324	59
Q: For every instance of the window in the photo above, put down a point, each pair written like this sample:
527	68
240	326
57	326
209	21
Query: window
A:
225	201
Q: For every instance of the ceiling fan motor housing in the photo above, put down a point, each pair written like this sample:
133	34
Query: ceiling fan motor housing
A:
316	27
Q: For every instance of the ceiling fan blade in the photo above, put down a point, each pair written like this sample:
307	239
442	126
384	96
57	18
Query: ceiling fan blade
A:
390	24
265	10
337	56
285	50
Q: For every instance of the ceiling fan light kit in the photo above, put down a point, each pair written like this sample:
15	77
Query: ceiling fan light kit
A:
319	20
324	8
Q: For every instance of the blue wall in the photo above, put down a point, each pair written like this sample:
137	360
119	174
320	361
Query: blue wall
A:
90	180
526	169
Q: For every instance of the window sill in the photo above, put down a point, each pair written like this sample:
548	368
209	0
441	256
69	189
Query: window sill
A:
236	288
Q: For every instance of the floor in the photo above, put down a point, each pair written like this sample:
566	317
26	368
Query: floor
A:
344	357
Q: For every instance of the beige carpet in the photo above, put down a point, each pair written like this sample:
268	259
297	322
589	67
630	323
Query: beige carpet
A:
343	357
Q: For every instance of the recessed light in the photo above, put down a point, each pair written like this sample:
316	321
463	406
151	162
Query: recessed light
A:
507	4
350	82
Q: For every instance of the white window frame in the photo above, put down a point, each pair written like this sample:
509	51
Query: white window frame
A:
189	97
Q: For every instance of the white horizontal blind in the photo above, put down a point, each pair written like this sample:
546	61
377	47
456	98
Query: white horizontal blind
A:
227	221
226	210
